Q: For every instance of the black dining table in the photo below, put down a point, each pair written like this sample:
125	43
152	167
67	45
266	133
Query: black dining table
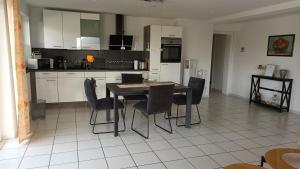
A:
119	89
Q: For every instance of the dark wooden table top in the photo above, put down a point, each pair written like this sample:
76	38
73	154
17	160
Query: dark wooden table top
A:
142	88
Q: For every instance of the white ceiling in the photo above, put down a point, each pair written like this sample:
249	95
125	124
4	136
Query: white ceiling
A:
200	9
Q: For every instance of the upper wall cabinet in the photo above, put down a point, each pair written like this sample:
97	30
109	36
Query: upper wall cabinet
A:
71	30
90	31
171	31
53	29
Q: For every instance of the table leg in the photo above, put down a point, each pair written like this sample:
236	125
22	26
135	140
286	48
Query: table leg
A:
116	114
188	118
108	110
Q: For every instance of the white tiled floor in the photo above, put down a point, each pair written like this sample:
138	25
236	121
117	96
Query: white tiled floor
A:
231	132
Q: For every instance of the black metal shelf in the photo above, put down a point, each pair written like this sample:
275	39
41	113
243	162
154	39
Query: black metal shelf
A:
286	91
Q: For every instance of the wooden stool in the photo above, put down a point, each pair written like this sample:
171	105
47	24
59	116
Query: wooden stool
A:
274	158
243	166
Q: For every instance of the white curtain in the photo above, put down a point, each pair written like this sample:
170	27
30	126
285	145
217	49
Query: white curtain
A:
8	115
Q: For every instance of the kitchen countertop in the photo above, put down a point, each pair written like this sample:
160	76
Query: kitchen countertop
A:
81	70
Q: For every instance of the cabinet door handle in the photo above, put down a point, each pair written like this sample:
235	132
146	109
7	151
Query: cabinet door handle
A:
56	46
51	80
74	47
164	64
155	69
172	35
154	73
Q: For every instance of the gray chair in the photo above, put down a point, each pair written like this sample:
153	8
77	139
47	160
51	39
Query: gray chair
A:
128	78
100	104
197	86
159	101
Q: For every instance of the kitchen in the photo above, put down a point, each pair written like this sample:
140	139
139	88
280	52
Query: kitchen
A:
62	40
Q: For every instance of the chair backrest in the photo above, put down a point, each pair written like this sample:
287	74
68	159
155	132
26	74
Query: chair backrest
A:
197	85
90	87
132	78
160	99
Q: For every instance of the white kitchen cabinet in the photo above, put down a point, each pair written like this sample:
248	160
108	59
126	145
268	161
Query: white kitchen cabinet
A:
46	89
71	89
100	82
170	72
53	29
155	47
71	86
171	31
71	30
154	76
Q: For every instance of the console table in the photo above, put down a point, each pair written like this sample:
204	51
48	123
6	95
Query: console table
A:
285	92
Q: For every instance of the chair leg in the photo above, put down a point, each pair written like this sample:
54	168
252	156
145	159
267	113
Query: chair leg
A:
263	160
104	132
172	117
125	105
92	114
169	131
185	116
139	133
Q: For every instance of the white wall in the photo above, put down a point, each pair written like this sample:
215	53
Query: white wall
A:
197	44
253	35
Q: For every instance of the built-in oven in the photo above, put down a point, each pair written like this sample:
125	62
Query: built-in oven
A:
170	50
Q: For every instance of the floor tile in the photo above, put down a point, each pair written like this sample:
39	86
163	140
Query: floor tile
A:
153	166
245	156
180	142
215	138
90	154
211	149
145	158
115	151
64	147
12	153
168	155
224	159
39	150
230	146
192	151
203	163
138	148
159	145
65	139
35	161
179	164
62	158
10	164
120	162
132	139
88	144
198	140
65	166
92	164
111	142
247	143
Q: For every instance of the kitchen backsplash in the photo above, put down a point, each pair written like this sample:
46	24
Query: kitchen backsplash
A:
104	59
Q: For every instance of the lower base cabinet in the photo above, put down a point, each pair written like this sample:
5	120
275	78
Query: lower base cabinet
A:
71	89
46	89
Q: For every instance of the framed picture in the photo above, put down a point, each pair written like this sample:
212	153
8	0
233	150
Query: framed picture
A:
270	70
281	45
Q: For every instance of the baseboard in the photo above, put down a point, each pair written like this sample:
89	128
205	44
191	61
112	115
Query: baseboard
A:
238	96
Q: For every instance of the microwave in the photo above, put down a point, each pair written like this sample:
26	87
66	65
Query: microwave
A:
43	63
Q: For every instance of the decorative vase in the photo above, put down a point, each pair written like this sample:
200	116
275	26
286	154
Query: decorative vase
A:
283	73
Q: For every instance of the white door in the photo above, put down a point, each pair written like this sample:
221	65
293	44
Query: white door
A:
155	47
170	72
71	89
171	31
53	30
71	30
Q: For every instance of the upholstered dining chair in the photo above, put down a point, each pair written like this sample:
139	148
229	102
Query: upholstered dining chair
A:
159	101
197	86
97	105
128	78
